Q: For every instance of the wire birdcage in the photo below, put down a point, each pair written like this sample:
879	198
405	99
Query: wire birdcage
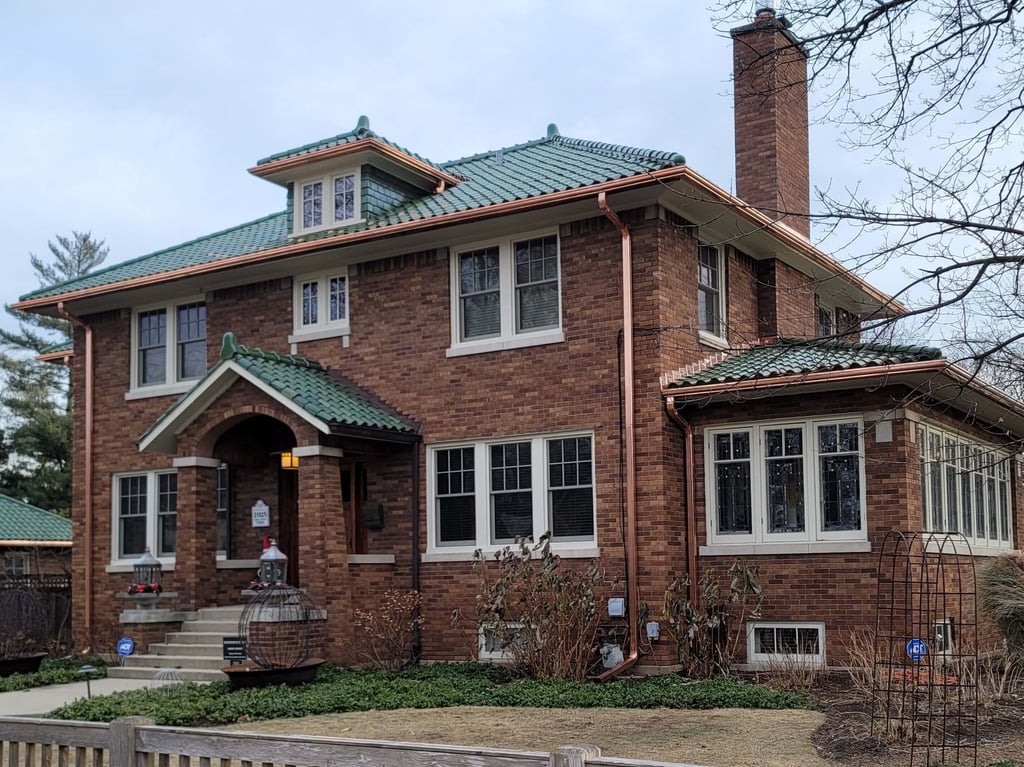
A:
283	627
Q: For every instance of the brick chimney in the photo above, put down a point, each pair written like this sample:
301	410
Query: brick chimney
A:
770	119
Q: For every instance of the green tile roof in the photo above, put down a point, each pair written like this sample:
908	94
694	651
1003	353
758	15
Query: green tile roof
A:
543	166
20	521
60	346
796	357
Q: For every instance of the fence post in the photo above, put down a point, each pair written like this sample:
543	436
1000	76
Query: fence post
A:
573	756
122	739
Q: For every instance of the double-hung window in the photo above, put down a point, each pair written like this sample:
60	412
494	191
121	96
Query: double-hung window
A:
327	201
145	514
786	482
488	494
965	487
710	292
321	304
506	294
169	347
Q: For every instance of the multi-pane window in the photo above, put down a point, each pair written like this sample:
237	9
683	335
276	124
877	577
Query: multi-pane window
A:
826	322
321	302
786	482
145	514
16	564
327	201
223	510
170	344
965	487
507	290
710	297
491	493
792	642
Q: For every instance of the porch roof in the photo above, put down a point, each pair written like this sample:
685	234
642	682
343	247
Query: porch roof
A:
322	397
27	525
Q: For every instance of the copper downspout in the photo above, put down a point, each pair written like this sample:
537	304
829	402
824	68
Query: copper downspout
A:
691	496
88	543
632	570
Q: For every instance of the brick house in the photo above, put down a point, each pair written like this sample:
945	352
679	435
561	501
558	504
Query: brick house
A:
414	360
33	541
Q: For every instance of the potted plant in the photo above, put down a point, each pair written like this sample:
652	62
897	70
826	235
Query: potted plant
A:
23	631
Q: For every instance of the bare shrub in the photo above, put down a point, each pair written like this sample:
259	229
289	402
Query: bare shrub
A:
384	634
1001	598
790	674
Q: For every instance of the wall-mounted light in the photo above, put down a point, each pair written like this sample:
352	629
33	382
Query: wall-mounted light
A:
289	460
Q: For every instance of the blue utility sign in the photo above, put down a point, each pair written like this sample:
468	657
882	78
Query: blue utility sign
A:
125	646
916	649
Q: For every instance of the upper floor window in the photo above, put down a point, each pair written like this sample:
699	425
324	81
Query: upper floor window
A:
169	345
321	303
710	292
145	514
786	482
327	201
506	294
490	493
965	487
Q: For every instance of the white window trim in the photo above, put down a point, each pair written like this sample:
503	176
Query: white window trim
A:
171	384
500	656
328	201
152	491
324	327
759	541
761	660
718	341
509	338
567	548
23	557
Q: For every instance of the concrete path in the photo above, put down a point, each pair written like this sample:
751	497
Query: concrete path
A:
42	700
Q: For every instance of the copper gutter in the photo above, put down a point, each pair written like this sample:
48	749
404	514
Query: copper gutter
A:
62	356
691	496
632	569
38	544
88	481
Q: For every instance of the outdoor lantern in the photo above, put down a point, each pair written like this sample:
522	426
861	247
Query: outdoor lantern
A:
273	565
289	460
147	569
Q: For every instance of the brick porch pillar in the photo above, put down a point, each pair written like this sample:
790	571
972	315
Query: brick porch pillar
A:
195	568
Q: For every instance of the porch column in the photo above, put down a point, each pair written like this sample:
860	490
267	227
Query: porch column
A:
323	548
195	567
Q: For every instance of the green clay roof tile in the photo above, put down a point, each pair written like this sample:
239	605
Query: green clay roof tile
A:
20	521
797	357
535	168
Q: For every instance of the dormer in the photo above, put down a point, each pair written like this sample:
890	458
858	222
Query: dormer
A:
349	179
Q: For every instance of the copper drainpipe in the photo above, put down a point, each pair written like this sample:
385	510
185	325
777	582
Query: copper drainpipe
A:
87	627
691	494
632	576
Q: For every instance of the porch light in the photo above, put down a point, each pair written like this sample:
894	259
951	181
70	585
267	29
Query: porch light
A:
289	461
147	569
273	565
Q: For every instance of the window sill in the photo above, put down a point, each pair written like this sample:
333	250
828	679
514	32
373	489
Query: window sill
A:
499	344
160	390
371	559
344	331
129	567
238	564
462	555
816	547
339	225
933	547
708	339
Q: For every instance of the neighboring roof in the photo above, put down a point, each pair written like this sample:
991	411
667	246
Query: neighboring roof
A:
789	357
24	524
324	398
533	169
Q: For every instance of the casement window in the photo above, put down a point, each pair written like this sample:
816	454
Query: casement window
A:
328	201
321	304
710	292
169	347
774	643
488	494
826	320
16	563
506	294
145	514
965	487
786	482
223	511
491	649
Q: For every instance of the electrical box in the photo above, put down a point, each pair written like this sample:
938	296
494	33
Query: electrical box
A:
616	607
653	629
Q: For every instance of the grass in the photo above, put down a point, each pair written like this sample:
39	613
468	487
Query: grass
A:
53	671
435	686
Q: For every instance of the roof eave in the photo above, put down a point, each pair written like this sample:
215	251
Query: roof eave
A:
37	544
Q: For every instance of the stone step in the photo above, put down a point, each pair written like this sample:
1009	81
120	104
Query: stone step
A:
153	662
197	637
185	674
173	648
225	613
226	628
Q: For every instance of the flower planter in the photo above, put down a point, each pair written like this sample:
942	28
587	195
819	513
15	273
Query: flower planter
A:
25	664
251	675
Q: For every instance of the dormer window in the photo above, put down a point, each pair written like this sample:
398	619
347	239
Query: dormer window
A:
327	201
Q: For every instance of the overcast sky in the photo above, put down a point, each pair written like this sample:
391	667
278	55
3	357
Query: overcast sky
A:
137	121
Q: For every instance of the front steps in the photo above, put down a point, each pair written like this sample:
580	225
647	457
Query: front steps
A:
194	654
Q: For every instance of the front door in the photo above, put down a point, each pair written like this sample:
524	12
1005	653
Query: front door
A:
288	503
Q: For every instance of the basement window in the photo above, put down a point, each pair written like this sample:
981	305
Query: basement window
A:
781	643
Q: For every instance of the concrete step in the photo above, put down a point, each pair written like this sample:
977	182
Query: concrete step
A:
150	661
225	613
225	628
174	648
197	637
186	674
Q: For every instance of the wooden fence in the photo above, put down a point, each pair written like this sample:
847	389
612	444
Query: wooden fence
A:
136	742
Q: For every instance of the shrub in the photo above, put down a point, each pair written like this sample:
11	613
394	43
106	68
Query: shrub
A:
1001	598
52	671
542	614
384	635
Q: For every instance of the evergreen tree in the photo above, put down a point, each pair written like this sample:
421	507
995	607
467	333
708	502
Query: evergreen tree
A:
35	448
